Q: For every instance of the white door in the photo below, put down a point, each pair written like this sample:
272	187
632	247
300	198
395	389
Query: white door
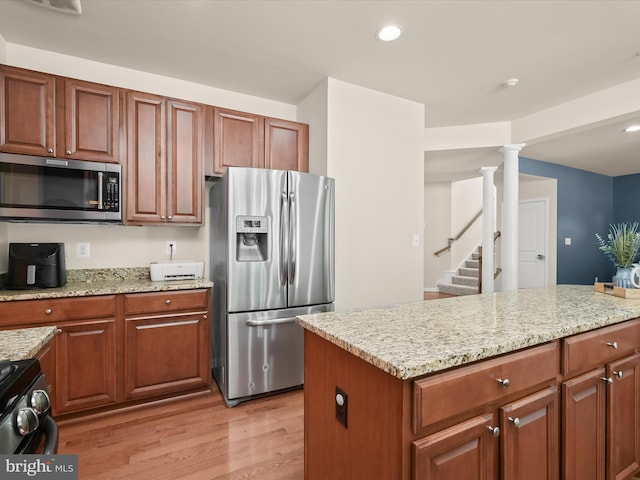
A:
532	253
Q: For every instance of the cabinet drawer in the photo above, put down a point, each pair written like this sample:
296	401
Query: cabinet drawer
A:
588	350
139	303
447	394
26	312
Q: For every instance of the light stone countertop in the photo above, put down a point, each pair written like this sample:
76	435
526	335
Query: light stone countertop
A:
106	287
414	339
24	342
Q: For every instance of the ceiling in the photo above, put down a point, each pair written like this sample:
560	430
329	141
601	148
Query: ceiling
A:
453	56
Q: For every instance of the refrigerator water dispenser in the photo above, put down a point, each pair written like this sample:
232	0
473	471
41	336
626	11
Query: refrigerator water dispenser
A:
252	238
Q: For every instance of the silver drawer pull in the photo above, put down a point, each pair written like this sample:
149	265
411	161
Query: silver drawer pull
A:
619	374
609	380
48	311
503	381
495	431
613	345
59	331
515	421
168	301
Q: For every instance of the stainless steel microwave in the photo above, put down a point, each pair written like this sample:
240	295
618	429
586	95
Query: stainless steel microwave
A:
55	189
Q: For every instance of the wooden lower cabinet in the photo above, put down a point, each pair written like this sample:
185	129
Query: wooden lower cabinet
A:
165	354
85	365
467	450
166	342
111	350
526	438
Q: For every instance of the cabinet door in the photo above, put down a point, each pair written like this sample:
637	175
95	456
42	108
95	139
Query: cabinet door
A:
91	115
85	365
166	353
286	145
146	167
185	178
47	359
623	417
583	426
27	112
464	451
530	437
238	140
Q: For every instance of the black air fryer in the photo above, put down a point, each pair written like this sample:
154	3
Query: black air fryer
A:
36	265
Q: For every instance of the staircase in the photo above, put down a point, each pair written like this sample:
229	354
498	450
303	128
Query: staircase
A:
465	280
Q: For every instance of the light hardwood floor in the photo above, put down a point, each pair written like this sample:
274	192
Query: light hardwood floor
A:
193	439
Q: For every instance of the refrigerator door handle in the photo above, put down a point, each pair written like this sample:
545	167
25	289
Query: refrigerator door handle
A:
266	323
283	239
293	225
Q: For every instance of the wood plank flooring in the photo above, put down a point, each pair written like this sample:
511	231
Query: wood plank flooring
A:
193	439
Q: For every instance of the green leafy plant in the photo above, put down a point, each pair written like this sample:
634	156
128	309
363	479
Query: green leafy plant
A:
622	244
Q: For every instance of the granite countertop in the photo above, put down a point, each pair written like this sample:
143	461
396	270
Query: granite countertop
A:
414	339
24	342
82	283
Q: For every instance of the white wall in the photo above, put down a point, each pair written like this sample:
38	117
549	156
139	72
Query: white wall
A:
313	111
120	246
3	50
466	202
374	151
437	224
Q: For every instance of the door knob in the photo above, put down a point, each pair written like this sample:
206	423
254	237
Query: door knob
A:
540	256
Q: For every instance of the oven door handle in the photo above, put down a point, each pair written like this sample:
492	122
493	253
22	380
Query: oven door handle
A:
50	430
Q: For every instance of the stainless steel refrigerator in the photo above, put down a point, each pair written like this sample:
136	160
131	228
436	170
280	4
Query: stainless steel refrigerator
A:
272	259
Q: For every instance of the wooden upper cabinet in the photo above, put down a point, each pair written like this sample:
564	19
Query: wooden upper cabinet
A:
286	145
185	178
238	140
27	116
91	115
146	165
165	180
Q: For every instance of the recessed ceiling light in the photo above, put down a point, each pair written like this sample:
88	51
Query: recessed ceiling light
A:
632	128
389	33
512	82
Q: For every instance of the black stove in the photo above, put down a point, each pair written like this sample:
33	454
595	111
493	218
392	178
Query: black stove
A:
25	409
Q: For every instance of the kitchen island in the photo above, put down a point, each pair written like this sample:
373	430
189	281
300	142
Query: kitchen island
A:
508	385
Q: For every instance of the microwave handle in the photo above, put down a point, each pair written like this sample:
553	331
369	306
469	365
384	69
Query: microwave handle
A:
100	183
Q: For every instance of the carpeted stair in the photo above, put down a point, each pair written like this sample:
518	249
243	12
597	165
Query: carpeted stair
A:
465	281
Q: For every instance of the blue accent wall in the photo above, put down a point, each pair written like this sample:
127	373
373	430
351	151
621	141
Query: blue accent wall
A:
585	207
626	198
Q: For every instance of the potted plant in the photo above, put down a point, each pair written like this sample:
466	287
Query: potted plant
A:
622	246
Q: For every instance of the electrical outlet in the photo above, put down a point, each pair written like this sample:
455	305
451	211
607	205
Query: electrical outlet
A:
83	249
342	406
171	248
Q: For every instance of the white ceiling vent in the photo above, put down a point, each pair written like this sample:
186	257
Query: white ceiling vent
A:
63	6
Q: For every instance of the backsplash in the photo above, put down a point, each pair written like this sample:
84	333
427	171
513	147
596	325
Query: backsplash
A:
91	275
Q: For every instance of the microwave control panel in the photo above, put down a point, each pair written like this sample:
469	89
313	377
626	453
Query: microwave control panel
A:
111	192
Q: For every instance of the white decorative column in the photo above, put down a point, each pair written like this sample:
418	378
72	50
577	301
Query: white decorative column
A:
488	228
509	245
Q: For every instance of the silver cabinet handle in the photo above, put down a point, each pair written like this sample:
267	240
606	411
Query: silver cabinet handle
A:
49	150
48	311
609	380
495	431
205	317
503	381
613	345
59	331
168	301
68	152
619	374
170	217
515	421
